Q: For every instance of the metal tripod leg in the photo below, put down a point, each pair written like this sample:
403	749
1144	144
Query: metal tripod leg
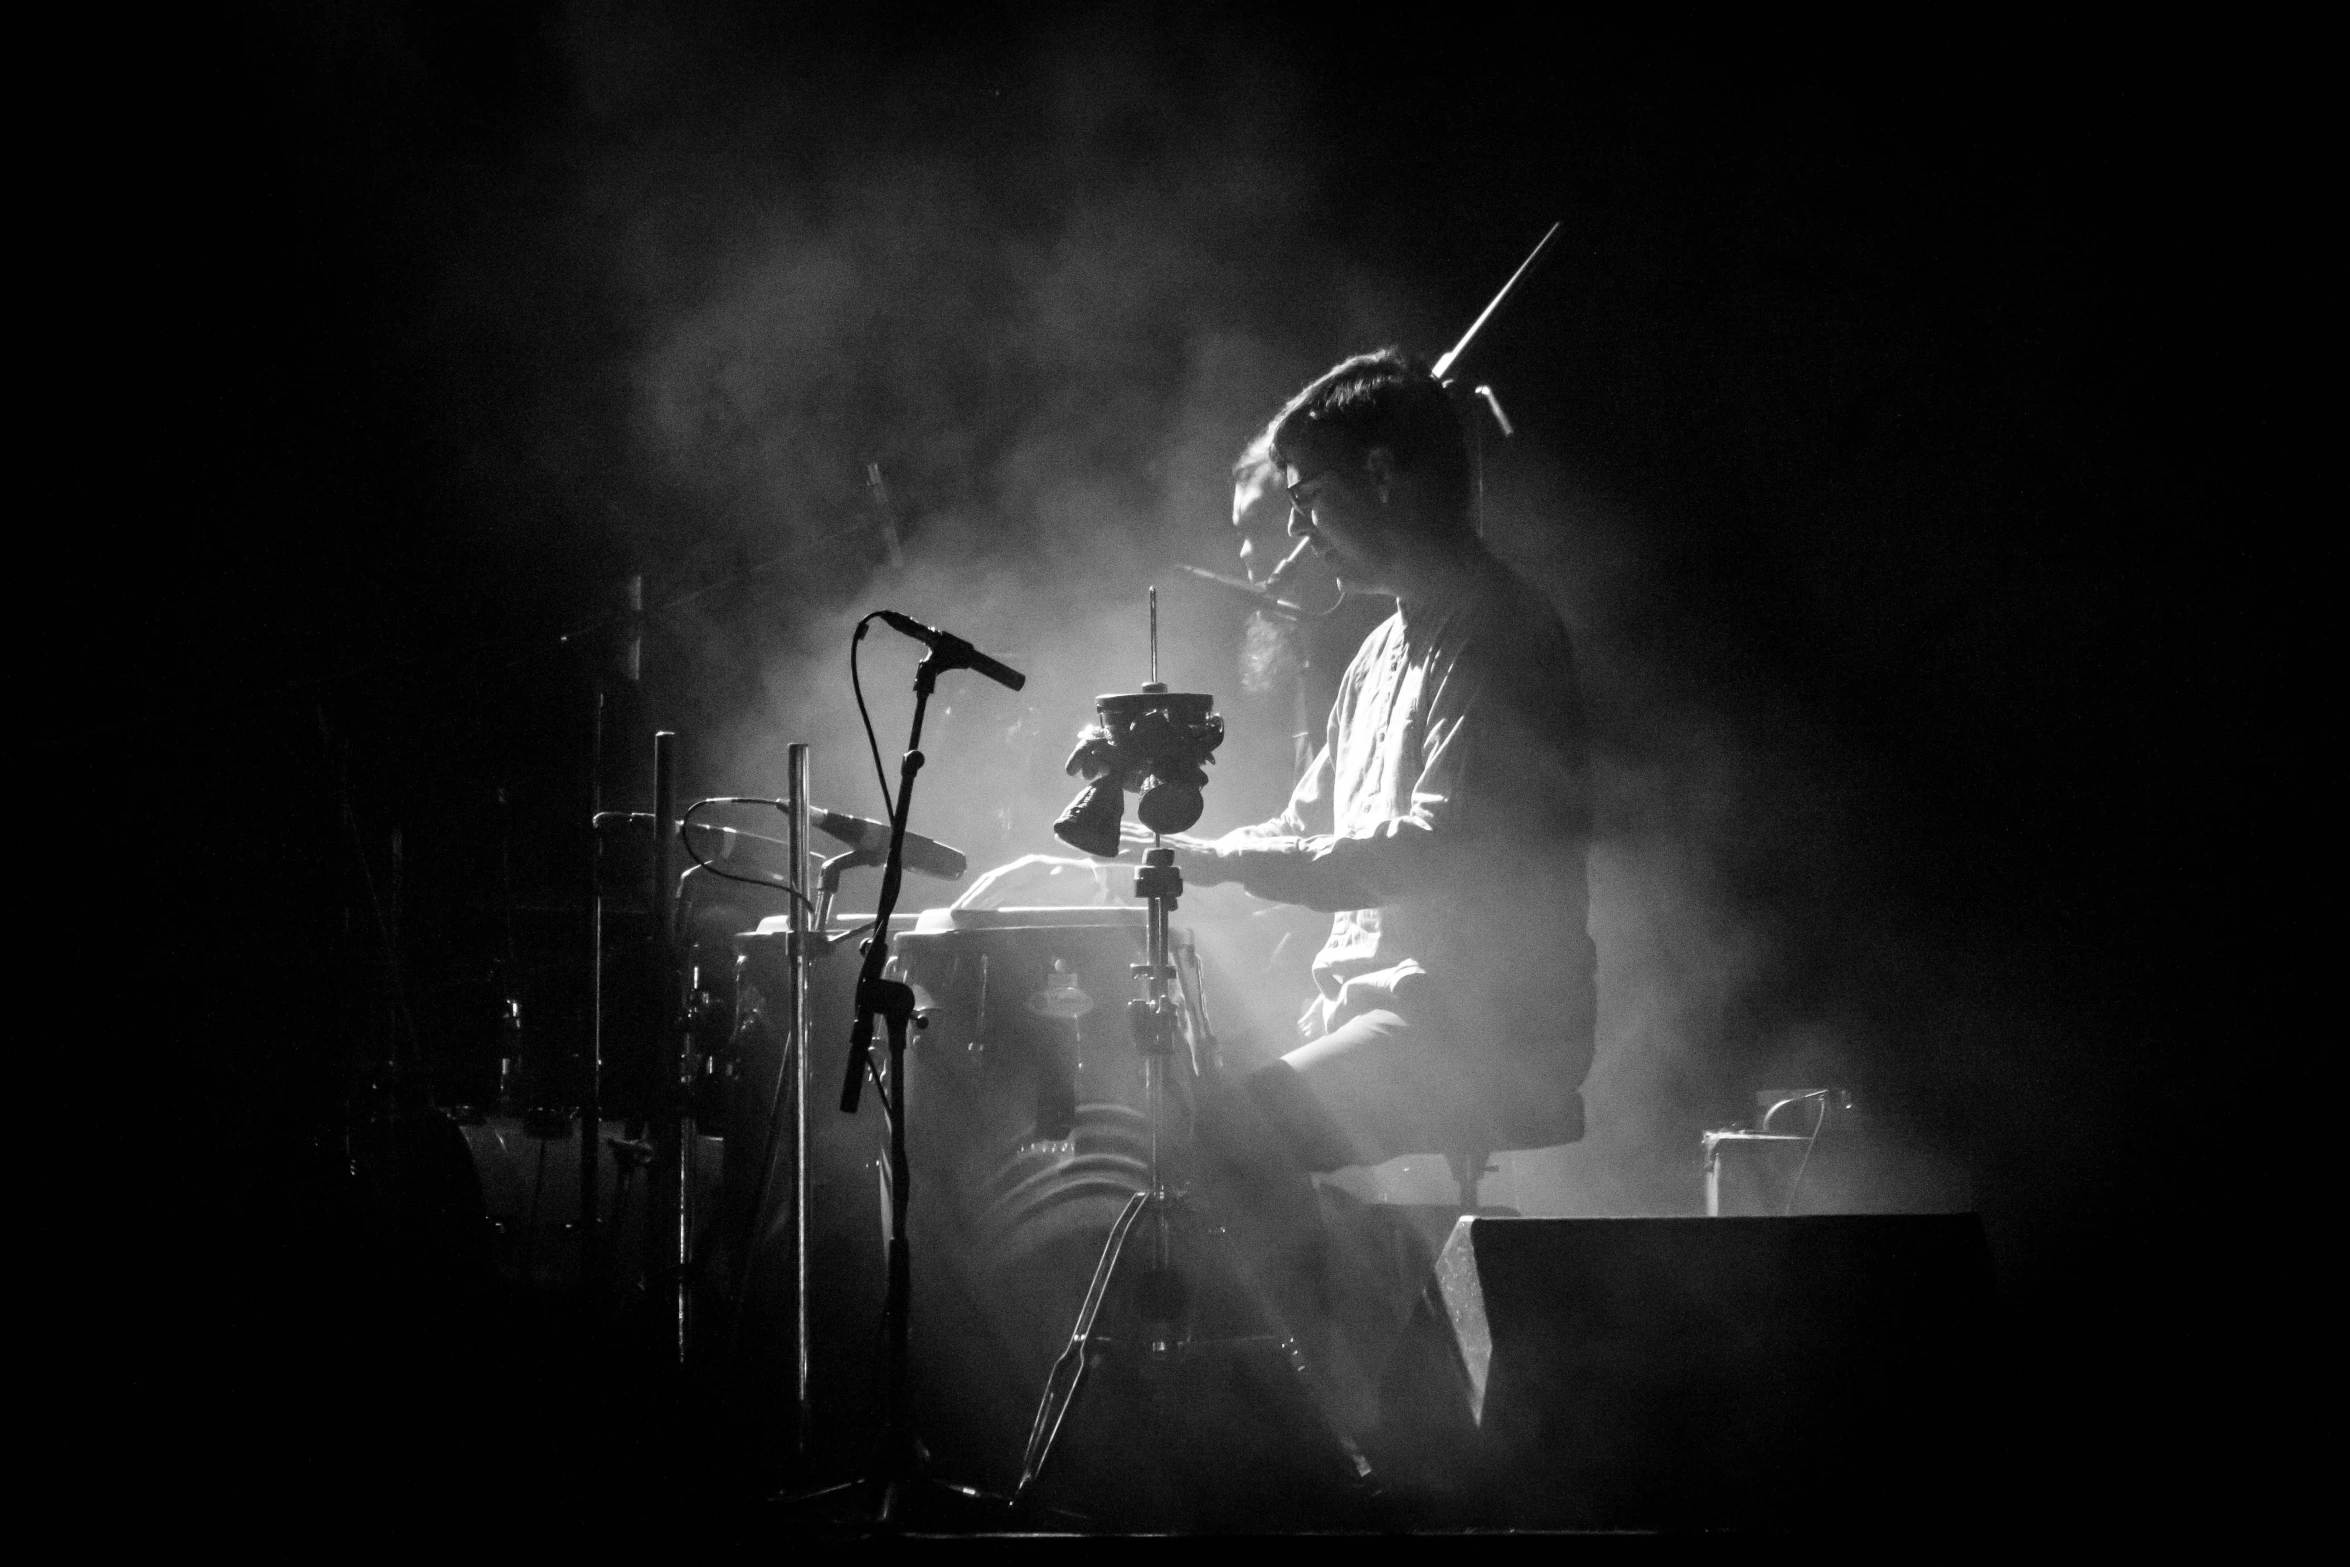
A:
1156	1022
1068	1371
1060	1388
1309	1378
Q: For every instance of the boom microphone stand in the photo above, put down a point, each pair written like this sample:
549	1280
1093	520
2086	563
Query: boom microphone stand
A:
895	1470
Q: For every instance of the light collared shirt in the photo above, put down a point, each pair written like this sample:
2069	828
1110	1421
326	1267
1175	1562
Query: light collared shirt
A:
1445	823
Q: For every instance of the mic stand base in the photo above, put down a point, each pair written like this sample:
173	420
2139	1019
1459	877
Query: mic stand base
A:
899	1496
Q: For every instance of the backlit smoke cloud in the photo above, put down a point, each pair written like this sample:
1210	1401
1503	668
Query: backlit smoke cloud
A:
1046	296
1043	312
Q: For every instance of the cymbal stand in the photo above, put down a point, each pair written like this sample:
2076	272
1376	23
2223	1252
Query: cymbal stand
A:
1163	1295
678	1128
796	1068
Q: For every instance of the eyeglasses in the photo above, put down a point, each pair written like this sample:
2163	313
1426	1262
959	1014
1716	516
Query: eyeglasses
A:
1298	498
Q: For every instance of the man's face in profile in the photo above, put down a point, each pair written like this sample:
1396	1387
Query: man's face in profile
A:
1348	523
1260	519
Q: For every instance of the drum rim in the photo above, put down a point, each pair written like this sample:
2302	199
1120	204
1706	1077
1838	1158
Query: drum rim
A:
947	921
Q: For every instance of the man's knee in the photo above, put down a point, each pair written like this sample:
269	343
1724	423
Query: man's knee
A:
1294	1116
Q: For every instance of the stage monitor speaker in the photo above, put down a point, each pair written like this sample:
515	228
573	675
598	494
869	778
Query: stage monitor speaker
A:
1802	1374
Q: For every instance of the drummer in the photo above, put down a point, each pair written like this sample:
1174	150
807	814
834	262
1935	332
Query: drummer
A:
1443	820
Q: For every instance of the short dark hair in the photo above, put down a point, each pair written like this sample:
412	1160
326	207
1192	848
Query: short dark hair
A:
1379	399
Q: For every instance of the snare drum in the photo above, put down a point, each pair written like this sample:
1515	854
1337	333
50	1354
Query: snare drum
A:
1027	1012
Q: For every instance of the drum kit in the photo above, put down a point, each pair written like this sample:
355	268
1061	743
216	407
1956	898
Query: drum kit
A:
680	1162
1013	1218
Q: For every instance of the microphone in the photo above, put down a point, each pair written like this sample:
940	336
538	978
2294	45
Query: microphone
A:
1273	602
952	652
924	856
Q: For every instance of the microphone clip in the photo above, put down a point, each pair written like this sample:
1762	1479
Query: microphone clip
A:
948	651
892	1002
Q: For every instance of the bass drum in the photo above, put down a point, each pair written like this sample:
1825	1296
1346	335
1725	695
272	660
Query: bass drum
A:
528	1166
1026	1137
1029	1135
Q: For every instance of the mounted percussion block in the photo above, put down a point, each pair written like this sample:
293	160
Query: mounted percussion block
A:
1091	821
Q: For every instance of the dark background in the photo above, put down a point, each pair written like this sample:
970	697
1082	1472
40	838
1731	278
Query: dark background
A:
1868	414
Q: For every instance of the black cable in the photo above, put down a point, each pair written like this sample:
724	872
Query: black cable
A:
685	841
785	1074
889	809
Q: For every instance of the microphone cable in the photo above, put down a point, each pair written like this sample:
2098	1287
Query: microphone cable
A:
889	808
685	841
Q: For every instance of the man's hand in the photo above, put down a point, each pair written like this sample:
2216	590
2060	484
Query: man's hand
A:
1203	859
